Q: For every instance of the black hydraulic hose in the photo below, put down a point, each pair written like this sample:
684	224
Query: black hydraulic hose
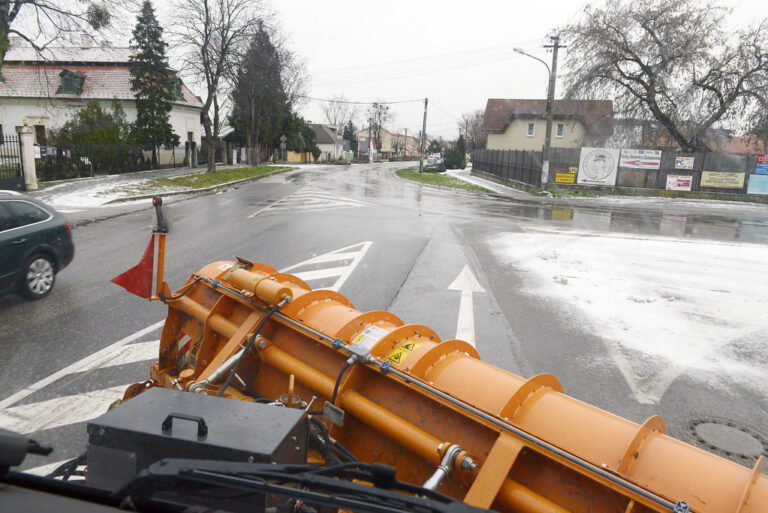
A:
182	293
248	348
338	380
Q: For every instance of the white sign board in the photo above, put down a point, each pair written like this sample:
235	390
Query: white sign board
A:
640	159
679	182
683	162
598	166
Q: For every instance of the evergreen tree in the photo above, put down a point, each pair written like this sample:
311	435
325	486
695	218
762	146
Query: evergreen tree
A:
349	135
153	83
260	102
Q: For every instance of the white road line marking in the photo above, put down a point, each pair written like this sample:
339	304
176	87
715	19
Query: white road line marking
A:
340	254
319	274
311	199
271	205
467	284
79	365
132	353
60	411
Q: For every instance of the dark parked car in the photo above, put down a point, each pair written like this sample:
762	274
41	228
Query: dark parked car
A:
35	244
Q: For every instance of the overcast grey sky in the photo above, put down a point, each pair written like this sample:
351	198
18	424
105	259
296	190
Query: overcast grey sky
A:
456	54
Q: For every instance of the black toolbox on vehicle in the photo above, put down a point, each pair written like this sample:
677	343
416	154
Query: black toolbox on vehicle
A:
162	423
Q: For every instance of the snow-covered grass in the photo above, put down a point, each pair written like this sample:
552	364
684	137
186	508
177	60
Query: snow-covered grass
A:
662	306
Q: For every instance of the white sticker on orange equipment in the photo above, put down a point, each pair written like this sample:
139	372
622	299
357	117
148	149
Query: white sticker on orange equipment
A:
182	349
369	336
224	267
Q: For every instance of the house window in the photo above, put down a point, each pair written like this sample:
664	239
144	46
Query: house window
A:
560	130
40	135
531	129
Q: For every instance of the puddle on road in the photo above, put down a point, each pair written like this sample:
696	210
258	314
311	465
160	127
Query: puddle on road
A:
719	227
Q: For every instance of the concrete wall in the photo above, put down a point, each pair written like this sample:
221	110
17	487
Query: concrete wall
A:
330	151
294	157
516	136
54	112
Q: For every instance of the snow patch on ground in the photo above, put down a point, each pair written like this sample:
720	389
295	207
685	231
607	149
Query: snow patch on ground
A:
662	306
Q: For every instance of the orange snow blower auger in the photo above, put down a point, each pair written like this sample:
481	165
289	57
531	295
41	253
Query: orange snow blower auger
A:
398	395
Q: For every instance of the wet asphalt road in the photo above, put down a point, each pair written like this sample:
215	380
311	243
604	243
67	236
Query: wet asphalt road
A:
421	238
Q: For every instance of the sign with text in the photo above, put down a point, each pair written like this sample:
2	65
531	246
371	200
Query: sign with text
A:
565	178
758	184
722	179
762	164
683	162
679	182
598	166
640	159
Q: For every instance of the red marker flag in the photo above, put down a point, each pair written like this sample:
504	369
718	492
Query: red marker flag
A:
138	280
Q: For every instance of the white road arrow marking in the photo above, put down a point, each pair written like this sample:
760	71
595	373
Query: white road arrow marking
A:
355	253
467	284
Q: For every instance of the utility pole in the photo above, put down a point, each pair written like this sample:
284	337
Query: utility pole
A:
405	144
423	137
370	140
550	107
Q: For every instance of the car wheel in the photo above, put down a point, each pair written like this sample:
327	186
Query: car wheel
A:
38	277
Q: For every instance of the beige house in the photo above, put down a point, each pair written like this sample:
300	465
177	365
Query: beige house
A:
521	124
330	143
394	145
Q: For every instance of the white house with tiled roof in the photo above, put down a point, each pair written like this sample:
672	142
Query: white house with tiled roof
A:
47	90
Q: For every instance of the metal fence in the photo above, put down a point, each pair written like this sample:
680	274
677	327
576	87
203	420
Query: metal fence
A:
11	173
525	167
516	165
61	163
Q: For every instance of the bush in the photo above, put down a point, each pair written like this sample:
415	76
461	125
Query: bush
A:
455	157
440	168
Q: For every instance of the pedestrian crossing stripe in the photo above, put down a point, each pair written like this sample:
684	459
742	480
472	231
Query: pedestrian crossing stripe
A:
311	200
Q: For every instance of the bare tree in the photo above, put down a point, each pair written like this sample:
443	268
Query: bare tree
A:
378	114
469	125
41	22
213	34
338	112
670	60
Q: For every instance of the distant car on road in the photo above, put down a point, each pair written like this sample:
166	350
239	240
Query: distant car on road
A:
35	244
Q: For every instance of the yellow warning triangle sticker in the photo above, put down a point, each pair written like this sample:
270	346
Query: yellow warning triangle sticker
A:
410	346
396	357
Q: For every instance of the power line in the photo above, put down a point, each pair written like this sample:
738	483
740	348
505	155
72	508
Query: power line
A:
457	118
360	103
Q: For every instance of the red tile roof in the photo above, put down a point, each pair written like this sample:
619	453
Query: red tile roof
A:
101	82
499	112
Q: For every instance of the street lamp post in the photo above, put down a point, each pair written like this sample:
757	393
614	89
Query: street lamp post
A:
551	73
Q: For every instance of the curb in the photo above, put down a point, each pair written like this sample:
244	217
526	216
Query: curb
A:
393	172
195	191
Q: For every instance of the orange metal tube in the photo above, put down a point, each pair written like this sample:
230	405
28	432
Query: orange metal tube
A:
540	479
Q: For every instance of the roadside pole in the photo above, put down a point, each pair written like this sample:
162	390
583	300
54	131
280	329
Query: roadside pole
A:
550	107
423	137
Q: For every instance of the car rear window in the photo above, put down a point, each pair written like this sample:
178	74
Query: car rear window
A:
7	221
27	213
